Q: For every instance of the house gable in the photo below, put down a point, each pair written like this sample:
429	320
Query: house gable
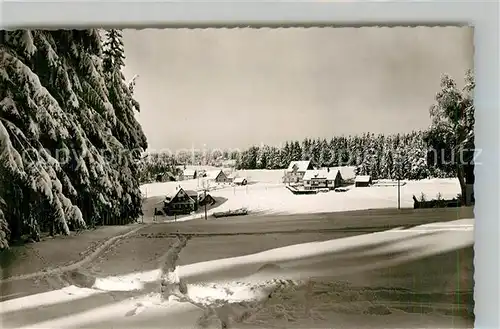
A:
216	175
299	166
181	196
221	175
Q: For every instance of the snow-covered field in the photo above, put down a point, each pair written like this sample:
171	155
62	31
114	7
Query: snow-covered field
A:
265	271
262	176
269	196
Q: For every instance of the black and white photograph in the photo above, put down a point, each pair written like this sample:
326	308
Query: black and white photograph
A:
223	178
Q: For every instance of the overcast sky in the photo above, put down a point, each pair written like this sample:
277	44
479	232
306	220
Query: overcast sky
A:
231	88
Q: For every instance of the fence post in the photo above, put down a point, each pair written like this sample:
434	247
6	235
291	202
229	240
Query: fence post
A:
399	192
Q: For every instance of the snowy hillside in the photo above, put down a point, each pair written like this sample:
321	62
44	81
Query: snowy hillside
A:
246	281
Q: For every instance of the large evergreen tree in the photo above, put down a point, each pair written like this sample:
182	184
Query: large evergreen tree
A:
64	129
126	130
451	135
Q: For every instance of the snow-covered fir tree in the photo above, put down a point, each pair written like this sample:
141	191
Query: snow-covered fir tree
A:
286	155
451	134
262	156
275	158
62	135
114	52
296	151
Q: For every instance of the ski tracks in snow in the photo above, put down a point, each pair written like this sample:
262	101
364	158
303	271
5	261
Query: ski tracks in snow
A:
59	270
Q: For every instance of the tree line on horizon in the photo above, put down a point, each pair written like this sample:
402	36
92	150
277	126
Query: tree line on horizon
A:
381	156
406	156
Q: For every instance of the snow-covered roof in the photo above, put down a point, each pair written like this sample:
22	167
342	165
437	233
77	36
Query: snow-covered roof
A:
174	193
189	172
329	173
212	174
192	192
318	174
332	174
301	165
363	179
347	172
239	179
171	190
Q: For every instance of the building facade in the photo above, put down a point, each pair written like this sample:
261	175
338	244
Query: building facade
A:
217	176
320	179
295	172
179	203
240	181
189	174
363	181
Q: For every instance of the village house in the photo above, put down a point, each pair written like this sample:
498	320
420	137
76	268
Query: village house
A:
363	181
296	171
217	176
240	181
179	203
347	174
206	200
201	198
315	179
165	177
328	177
189	174
195	195
323	178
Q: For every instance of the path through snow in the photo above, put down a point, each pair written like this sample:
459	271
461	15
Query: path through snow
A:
193	301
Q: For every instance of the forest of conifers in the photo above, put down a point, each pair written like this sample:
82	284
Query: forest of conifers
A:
69	142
